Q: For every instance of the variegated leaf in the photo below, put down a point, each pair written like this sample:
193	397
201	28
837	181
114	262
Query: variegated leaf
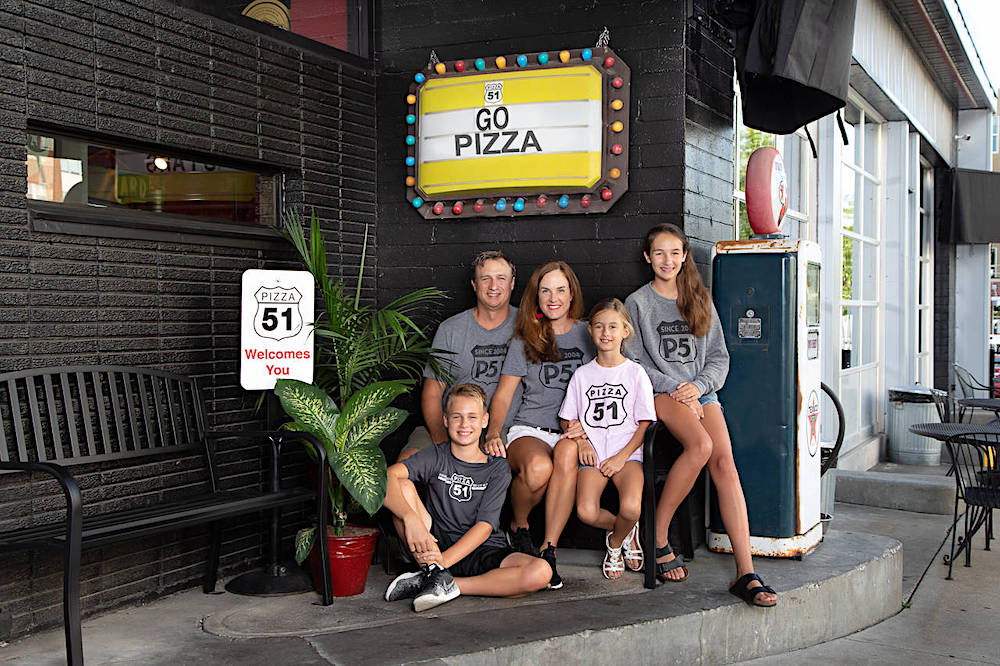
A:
304	540
363	472
372	429
369	400
310	407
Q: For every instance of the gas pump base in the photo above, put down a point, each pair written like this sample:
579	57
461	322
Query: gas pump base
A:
793	546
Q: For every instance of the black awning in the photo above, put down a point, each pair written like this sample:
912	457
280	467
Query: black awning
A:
793	58
975	207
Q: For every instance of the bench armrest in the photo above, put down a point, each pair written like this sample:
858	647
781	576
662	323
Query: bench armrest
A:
70	488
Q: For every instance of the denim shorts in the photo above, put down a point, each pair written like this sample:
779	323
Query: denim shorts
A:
709	398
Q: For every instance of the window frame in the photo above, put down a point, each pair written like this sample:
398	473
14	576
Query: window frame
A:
57	217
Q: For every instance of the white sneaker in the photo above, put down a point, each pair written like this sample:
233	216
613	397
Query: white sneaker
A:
439	586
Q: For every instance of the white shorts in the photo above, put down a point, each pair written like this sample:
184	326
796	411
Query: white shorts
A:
517	431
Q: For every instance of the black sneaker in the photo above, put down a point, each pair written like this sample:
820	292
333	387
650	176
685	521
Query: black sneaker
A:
439	586
405	586
549	555
520	541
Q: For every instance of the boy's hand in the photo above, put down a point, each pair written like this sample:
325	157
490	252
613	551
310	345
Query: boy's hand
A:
612	466
432	556
574	431
494	446
587	454
418	539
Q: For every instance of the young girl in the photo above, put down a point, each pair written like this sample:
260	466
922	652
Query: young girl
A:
549	344
613	399
680	344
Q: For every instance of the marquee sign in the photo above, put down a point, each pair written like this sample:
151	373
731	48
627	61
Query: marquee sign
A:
518	135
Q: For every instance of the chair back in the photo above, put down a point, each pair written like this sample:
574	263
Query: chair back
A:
977	468
948	409
968	384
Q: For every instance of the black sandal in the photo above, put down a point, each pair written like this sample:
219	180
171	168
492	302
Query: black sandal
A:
749	594
663	567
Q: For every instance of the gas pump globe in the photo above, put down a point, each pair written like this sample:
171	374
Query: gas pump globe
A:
766	291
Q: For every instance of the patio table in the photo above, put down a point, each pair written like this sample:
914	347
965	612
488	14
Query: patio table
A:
989	404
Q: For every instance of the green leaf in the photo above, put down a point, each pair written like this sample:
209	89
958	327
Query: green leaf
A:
373	428
369	400
304	540
310	407
362	471
307	444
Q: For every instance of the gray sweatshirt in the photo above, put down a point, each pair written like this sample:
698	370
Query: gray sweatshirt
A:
665	347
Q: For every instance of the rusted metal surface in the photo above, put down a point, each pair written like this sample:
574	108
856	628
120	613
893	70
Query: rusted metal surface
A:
758	245
800	544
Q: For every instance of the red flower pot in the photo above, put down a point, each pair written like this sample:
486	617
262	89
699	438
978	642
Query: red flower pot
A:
350	557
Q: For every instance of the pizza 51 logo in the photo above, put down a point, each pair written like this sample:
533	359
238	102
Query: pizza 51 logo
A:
605	406
487	360
676	341
556	375
461	486
278	316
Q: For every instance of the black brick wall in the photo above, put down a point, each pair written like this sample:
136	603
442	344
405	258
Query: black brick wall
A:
160	74
678	142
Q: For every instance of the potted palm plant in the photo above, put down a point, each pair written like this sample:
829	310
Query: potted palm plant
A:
366	357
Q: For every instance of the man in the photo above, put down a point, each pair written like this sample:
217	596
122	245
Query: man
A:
477	339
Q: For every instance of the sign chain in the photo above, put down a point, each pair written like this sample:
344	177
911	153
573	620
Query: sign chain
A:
604	39
433	59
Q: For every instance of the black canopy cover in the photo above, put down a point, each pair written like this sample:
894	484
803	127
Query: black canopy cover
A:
793	58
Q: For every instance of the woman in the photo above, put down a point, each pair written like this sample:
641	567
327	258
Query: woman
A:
681	346
549	344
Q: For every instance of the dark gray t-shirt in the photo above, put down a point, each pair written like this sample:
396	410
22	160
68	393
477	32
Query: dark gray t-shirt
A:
461	494
478	353
544	384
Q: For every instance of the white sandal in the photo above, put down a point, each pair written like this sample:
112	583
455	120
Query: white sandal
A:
632	550
613	566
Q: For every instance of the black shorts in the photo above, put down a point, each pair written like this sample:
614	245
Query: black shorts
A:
482	559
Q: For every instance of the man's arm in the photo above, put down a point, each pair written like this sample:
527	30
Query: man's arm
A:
430	407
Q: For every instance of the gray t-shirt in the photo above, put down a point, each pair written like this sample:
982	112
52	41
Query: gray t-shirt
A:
478	353
667	350
544	384
461	494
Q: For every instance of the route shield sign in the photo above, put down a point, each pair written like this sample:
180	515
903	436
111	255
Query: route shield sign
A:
276	336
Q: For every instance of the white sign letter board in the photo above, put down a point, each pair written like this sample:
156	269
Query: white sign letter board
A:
276	333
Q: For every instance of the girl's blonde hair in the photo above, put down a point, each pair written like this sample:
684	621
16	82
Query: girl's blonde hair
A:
614	305
535	328
693	299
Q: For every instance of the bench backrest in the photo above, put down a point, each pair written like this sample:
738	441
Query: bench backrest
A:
84	414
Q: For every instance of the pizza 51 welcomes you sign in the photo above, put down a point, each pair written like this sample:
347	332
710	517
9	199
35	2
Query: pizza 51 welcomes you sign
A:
527	134
276	340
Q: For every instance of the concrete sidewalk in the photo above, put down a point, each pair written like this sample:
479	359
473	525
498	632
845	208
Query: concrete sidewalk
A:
593	621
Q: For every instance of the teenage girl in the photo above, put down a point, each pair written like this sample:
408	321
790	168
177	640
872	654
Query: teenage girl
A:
613	399
680	344
549	345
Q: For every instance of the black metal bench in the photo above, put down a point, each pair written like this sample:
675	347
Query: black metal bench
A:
55	418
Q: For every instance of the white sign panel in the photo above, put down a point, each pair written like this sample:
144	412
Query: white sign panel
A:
276	335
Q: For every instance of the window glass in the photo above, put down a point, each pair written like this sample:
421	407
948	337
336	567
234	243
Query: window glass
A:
331	22
81	173
847	198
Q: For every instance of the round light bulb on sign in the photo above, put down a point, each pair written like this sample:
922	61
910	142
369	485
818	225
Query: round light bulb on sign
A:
276	317
766	191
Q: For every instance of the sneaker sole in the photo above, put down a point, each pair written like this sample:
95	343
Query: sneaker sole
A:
557	586
427	602
394	584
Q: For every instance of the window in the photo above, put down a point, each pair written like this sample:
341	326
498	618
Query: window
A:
86	175
925	279
797	158
994	134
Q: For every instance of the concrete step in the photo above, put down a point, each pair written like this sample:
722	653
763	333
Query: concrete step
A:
920	493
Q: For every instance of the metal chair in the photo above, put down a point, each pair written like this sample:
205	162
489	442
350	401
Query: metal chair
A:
976	458
948	409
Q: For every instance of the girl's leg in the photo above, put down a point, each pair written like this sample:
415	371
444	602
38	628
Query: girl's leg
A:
562	488
531	466
628	480
732	503
589	486
697	444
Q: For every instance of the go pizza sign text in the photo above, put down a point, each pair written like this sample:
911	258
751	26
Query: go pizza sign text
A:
535	138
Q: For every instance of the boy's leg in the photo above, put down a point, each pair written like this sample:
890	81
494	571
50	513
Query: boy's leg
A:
628	480
589	486
517	575
412	498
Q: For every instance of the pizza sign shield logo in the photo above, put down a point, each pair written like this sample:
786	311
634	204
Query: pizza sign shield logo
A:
605	406
278	315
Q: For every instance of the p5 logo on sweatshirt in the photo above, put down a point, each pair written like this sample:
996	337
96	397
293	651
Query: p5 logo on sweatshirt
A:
676	341
556	375
487	361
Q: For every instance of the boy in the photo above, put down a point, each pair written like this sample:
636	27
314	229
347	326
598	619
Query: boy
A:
457	534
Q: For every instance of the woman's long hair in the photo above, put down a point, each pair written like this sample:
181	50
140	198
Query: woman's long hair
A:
535	328
693	299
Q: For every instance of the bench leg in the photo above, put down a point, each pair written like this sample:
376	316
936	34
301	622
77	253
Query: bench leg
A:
71	580
649	509
212	566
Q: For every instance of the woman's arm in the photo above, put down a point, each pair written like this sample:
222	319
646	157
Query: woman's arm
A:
499	407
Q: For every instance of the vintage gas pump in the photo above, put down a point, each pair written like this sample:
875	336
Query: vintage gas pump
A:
766	291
